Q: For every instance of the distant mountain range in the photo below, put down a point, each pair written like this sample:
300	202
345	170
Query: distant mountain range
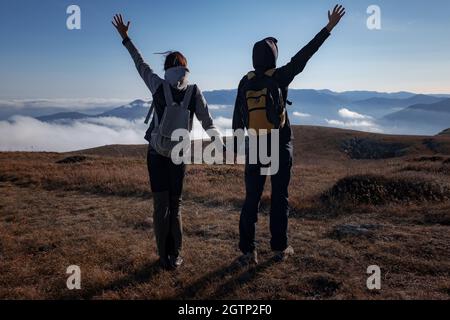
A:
135	110
435	115
405	111
227	97
326	103
382	105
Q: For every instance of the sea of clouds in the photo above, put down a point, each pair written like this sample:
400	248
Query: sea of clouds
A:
22	132
26	133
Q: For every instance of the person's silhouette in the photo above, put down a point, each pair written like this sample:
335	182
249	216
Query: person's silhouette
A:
268	83
167	176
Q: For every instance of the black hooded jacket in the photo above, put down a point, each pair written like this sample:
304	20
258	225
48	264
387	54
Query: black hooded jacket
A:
265	54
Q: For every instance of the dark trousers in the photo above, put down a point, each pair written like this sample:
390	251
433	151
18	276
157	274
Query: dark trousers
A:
279	207
166	180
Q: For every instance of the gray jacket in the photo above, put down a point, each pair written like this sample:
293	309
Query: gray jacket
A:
198	105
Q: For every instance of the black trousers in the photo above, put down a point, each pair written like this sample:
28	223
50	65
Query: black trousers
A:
279	208
165	176
166	180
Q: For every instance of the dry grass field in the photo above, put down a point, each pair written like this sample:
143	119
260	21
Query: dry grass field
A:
358	199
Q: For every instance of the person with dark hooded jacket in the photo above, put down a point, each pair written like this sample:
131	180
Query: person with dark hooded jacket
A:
166	177
265	54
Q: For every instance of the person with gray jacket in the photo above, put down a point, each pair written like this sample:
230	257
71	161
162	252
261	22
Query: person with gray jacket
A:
166	177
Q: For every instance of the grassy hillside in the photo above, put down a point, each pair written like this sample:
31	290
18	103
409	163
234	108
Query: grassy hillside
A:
357	199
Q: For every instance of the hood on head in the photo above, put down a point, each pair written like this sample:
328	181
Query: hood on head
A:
177	77
265	54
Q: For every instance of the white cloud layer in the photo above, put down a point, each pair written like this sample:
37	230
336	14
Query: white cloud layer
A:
348	114
361	125
301	114
355	120
218	107
29	134
223	122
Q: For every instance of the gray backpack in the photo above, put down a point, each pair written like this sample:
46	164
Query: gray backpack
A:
176	116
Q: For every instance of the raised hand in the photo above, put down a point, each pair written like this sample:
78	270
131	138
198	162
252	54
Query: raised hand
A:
335	16
120	26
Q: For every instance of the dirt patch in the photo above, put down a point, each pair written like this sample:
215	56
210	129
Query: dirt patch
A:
72	159
361	149
345	231
378	190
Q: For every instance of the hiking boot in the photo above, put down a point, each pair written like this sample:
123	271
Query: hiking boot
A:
284	255
164	263
250	258
176	262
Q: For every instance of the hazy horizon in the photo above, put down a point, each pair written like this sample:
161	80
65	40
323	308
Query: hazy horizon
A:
129	99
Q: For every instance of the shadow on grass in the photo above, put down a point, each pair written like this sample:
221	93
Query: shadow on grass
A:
235	276
143	275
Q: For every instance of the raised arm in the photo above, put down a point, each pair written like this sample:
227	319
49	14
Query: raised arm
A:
334	17
151	79
287	73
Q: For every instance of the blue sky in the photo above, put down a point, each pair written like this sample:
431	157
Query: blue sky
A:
40	58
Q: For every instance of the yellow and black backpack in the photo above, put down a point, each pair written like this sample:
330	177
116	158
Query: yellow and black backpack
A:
264	102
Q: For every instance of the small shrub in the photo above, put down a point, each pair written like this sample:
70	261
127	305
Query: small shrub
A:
73	159
430	159
378	190
362	149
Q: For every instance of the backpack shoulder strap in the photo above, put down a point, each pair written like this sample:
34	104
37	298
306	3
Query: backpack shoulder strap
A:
188	96
251	75
167	93
150	112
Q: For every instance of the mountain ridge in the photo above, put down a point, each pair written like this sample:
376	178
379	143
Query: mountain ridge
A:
415	113
132	111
